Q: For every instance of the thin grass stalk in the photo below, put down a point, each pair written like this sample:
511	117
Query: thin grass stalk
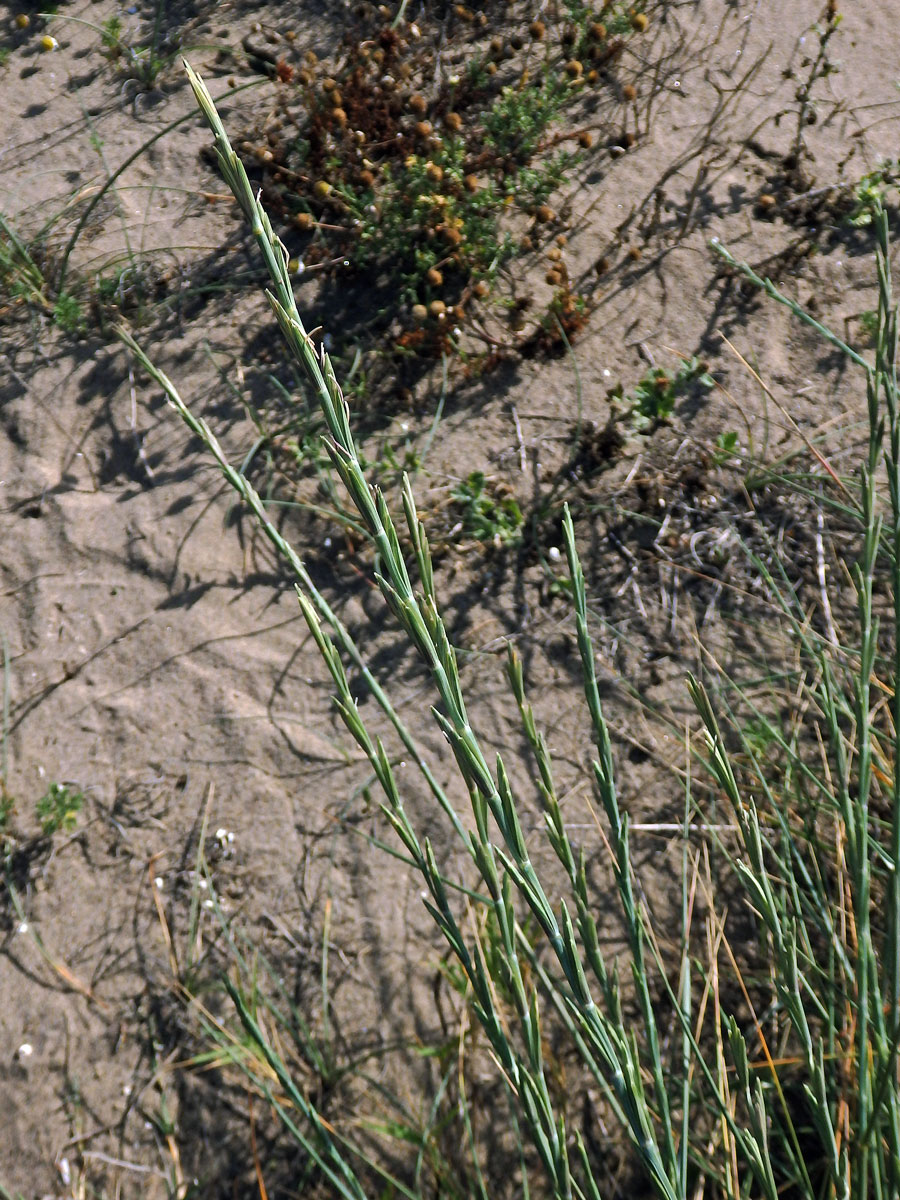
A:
886	358
423	625
605	777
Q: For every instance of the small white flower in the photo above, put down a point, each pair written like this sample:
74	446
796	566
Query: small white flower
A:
25	1050
159	882
553	554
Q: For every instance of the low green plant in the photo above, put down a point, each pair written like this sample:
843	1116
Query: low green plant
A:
58	809
765	1069
726	447
868	321
486	513
652	400
870	194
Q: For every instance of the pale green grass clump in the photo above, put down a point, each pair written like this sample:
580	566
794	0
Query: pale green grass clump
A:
794	1090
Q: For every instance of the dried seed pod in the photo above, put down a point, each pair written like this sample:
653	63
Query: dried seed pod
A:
434	172
602	265
629	92
471	183
490	69
453	121
537	29
419	313
424	129
592	77
634	253
451	235
766	202
304	220
418	103
322	189
562	240
574	69
366	178
434	277
598	31
639	22
544	213
328	84
438	309
340	117
554	255
480	289
335	98
23	21
585	140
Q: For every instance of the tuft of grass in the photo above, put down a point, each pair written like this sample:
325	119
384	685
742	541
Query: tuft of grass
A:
763	1067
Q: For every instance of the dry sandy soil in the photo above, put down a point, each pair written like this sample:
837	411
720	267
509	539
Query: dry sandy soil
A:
156	658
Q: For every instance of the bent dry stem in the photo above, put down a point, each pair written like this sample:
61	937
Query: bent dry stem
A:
696	1108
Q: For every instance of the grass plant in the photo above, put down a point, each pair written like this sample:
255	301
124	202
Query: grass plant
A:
766	1067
